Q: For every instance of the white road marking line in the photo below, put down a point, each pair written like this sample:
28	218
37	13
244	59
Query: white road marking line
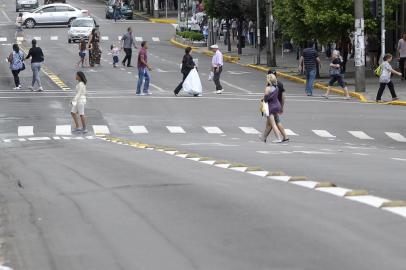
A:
139	39
3	39
56	138
306	184
25	131
401	211
7	140
213	130
396	136
369	200
101	129
360	154
39	139
399	159
175	129
20	38
63	130
282	178
337	191
360	135
323	133
249	130
37	38
236	87
105	38
259	173
5	15
290	132
155	39
138	129
54	38
157	87
22	140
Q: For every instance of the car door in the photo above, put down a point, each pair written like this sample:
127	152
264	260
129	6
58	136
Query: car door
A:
45	15
61	14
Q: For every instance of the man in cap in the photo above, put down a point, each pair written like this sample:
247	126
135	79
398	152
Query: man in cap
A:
217	67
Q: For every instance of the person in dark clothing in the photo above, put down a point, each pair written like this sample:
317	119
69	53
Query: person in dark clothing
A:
127	44
308	63
37	57
187	66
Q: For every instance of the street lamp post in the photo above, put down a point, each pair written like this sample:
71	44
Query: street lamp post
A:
359	46
258	36
270	34
383	31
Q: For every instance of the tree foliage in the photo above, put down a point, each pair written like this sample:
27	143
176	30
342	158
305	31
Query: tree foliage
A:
325	20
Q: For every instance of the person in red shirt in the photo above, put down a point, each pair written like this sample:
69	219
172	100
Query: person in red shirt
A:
143	68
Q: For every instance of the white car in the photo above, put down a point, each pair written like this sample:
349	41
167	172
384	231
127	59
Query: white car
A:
26	4
81	28
54	14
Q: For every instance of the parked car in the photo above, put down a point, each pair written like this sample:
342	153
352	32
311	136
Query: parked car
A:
127	11
26	5
81	28
47	2
54	14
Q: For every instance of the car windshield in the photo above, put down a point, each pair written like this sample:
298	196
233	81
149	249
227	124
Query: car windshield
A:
83	23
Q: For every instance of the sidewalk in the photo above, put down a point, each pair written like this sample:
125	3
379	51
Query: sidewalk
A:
288	64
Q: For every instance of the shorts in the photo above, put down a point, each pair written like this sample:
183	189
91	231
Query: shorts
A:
82	55
337	78
79	108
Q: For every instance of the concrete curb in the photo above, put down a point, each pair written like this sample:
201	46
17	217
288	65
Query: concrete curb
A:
181	45
359	196
156	20
227	58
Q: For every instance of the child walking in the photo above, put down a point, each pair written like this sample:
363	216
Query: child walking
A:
115	51
82	53
79	102
385	78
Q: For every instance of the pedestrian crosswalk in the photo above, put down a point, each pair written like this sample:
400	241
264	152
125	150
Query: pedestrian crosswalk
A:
26	131
57	38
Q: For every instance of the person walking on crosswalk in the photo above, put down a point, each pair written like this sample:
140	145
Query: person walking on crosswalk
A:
336	75
143	68
187	66
217	67
16	60
271	99
79	102
127	44
37	58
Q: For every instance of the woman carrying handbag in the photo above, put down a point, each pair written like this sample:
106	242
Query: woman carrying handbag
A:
16	60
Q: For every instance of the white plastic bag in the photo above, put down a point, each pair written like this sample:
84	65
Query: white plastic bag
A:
211	75
192	85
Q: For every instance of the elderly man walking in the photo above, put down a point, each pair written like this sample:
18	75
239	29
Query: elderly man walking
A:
217	67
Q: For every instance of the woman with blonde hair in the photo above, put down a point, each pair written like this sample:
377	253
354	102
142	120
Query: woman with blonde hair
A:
271	98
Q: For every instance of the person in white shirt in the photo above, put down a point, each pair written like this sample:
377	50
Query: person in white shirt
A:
79	102
385	78
217	67
402	55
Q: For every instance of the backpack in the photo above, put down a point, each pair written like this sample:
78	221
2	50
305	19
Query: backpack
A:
378	71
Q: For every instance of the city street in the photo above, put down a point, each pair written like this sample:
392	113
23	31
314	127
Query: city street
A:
87	202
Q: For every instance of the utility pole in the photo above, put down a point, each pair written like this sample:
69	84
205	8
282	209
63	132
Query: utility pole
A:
383	30
156	9
178	12
359	46
270	34
258	36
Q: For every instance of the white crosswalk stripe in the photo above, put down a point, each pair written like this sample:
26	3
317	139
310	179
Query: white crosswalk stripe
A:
323	133
213	130
396	136
249	130
139	39
175	129
25	131
63	130
100	129
105	38
290	132
138	129
37	38
360	135
119	37
20	38
155	39
3	39
54	38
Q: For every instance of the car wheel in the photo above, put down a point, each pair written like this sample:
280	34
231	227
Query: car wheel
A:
30	23
70	21
69	40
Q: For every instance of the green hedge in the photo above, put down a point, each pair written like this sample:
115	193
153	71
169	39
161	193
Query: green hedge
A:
195	36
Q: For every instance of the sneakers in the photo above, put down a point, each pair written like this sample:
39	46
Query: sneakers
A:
219	91
40	89
31	88
17	88
76	130
84	131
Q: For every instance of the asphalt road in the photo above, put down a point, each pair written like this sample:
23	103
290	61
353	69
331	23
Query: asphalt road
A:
84	203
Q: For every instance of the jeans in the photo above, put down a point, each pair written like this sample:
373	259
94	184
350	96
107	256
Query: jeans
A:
36	68
143	74
216	78
180	86
115	59
402	66
310	77
128	55
117	14
382	88
16	78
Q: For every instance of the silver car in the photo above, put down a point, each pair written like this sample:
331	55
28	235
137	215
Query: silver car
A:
81	29
26	4
54	14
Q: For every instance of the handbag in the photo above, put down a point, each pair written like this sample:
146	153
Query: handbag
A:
264	108
23	66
